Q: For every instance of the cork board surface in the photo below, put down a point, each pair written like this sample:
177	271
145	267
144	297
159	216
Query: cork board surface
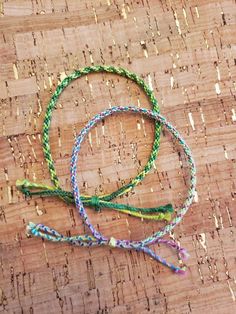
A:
185	50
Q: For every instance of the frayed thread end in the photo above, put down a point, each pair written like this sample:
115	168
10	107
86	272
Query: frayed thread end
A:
22	183
181	271
184	254
30	227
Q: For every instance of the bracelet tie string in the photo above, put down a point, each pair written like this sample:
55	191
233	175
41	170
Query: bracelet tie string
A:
162	212
103	201
97	239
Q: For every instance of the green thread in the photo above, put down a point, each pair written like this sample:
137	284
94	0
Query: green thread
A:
25	186
104	200
95	202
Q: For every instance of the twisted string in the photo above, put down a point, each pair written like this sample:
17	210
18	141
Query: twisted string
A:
163	212
102	201
97	238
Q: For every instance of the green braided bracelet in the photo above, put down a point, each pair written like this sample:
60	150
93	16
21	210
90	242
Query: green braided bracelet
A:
163	212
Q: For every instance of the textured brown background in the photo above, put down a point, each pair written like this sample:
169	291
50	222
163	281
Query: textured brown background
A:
185	50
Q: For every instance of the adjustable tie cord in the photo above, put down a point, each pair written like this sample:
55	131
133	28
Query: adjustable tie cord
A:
97	239
164	212
103	201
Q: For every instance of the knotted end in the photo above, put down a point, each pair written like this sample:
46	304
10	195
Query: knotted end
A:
181	271
30	229
23	186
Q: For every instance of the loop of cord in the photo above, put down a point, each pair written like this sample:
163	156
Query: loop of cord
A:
97	238
44	232
163	212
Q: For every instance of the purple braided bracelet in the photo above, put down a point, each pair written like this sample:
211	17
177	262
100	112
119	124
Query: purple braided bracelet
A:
97	238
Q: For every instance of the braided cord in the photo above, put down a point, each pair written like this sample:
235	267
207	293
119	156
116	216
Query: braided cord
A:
97	238
48	115
163	212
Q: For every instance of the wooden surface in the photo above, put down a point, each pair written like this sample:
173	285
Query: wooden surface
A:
185	50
